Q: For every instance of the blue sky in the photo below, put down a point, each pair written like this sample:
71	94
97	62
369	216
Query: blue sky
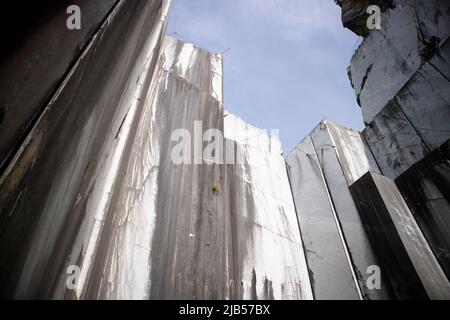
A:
286	68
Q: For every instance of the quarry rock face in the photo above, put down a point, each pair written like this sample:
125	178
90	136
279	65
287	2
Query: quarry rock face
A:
408	123
425	189
163	220
56	189
95	187
50	49
198	230
350	223
124	177
270	248
400	74
413	33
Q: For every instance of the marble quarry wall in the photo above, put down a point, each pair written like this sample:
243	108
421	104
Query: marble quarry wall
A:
56	189
94	187
198	230
405	100
354	219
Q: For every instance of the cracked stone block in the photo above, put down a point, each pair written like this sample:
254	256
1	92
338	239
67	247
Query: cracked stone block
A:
414	122
411	34
393	141
425	101
385	61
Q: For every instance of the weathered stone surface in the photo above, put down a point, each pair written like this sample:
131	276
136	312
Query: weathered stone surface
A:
186	61
424	261
399	275
50	49
400	75
414	122
425	102
432	17
268	242
60	181
411	34
373	223
168	233
94	183
426	188
342	154
385	61
393	141
330	272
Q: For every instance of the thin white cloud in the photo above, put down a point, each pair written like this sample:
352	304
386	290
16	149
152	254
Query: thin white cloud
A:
195	22
293	19
296	19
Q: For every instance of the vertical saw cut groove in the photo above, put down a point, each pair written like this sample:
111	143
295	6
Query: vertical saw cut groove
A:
298	221
338	224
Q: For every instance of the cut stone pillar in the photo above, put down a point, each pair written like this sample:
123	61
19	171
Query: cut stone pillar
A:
408	261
